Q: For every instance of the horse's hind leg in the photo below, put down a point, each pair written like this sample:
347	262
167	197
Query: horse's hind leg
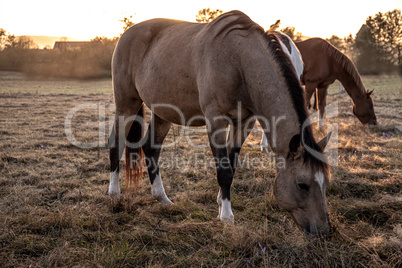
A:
157	131
126	118
115	152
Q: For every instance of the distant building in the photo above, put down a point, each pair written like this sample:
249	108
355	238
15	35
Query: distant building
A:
70	45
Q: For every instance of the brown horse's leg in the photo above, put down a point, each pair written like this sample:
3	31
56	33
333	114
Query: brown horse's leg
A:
315	105
308	91
157	131
322	102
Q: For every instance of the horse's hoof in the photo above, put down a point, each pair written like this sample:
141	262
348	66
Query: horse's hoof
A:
166	202
227	220
114	193
264	150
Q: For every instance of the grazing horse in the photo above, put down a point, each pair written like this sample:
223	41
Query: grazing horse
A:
225	72
323	63
290	48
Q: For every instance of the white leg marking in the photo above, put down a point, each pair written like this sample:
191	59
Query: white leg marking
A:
225	210
319	178
114	184
158	191
219	200
321	122
264	144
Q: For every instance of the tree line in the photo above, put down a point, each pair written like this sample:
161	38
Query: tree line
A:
375	49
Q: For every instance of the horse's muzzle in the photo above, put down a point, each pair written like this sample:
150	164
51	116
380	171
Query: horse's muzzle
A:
324	231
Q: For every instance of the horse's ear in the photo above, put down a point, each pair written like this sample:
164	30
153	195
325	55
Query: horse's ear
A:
369	92
295	147
323	143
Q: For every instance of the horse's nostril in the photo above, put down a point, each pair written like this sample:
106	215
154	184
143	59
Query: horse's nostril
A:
325	231
307	229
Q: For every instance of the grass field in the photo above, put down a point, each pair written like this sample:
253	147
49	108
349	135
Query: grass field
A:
55	211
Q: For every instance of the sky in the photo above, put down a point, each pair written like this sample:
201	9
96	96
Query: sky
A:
86	19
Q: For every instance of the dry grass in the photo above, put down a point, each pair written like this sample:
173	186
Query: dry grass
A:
55	211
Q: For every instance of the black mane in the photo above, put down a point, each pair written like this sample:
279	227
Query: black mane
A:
297	95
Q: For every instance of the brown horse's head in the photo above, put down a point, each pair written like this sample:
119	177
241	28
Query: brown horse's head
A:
300	189
364	110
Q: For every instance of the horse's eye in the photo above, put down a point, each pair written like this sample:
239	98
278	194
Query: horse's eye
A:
303	186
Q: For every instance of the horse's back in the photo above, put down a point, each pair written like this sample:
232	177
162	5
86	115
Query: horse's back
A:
147	56
134	43
317	62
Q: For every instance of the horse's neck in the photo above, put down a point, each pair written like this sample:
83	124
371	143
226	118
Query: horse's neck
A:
270	97
280	121
279	132
352	83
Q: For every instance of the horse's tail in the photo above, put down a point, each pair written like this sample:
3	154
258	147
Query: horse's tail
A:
134	154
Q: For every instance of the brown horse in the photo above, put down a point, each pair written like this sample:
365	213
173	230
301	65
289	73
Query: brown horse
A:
323	63
217	74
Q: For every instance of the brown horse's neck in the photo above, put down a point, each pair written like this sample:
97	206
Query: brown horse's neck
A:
352	84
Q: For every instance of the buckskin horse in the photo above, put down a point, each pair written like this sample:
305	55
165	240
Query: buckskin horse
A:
323	63
225	72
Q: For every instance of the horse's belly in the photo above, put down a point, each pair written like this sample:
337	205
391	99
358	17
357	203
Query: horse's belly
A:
174	104
171	93
177	113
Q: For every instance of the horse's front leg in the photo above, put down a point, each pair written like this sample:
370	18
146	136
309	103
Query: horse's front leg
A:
309	90
217	141
237	135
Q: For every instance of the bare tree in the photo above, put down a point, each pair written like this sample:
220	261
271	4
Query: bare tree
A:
275	26
337	42
291	32
12	41
207	15
127	23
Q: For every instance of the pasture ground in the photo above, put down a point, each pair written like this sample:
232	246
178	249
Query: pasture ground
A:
55	211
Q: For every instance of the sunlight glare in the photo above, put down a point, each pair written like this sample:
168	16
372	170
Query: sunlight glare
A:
88	19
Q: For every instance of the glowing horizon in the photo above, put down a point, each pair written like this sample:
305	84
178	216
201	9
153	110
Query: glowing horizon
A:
87	19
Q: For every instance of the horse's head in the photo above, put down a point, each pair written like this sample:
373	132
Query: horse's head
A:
364	110
300	189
